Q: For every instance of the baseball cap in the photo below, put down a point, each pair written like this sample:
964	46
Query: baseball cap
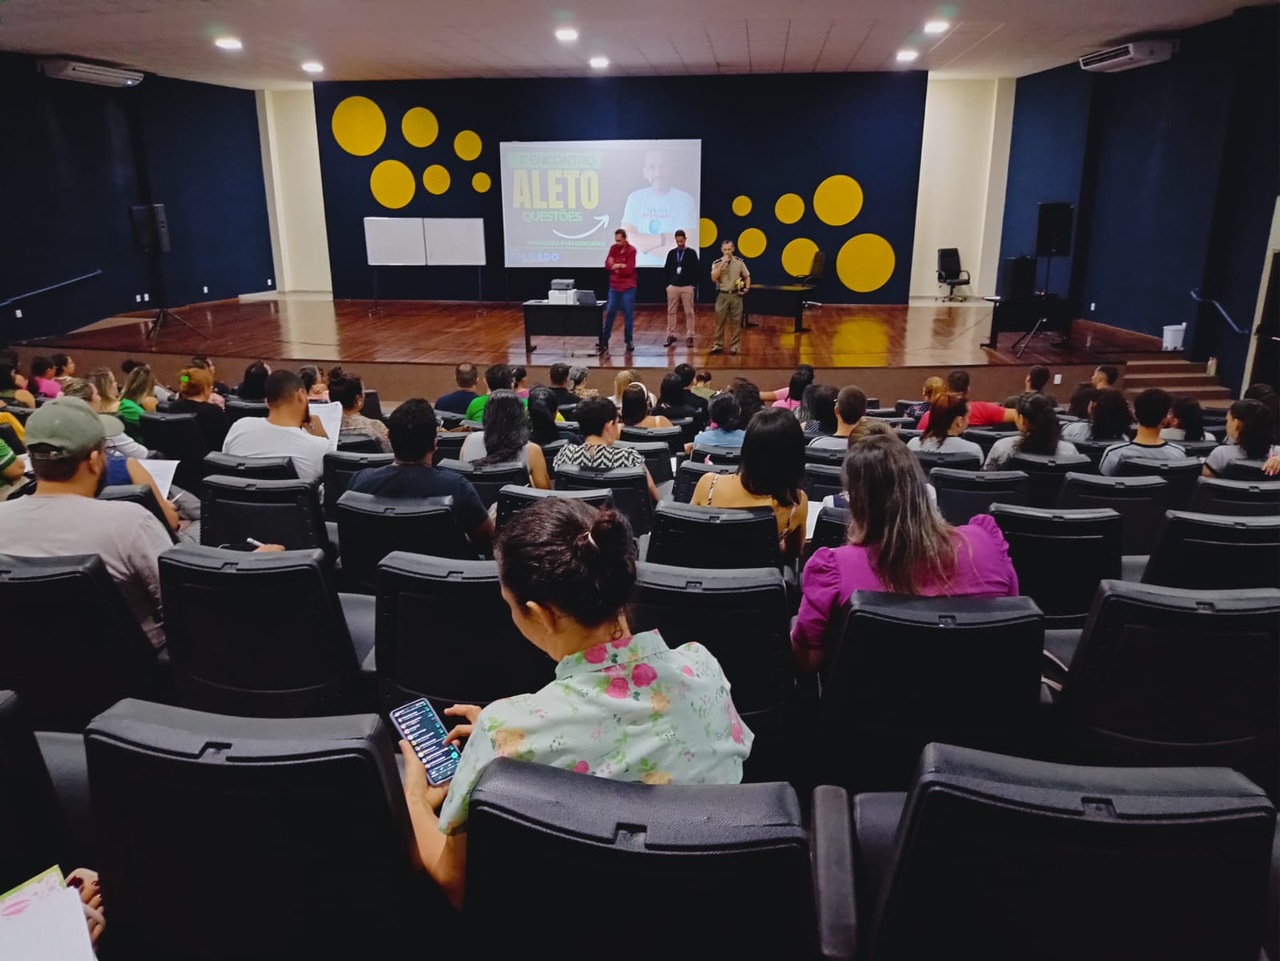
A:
70	427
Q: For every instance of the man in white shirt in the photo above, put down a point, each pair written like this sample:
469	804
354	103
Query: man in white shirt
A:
851	410
652	214
288	429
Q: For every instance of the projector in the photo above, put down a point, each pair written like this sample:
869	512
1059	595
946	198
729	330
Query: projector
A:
562	285
561	296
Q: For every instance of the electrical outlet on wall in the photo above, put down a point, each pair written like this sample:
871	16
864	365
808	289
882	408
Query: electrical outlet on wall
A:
17	312
206	288
1057	378
146	298
1092	307
268	281
137	298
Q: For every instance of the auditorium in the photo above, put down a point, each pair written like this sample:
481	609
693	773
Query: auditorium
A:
375	382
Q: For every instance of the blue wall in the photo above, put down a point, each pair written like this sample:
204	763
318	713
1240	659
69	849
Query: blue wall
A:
78	156
761	137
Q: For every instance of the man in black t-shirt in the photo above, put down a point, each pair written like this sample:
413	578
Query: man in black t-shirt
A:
412	427
456	402
559	374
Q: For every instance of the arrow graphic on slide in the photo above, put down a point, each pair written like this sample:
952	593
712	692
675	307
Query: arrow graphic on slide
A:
601	221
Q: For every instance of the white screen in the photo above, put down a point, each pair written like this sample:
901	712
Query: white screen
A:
454	241
563	200
394	241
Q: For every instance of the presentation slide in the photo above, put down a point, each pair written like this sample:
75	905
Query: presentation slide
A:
562	201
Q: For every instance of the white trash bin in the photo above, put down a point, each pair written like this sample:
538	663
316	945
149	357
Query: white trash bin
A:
1173	336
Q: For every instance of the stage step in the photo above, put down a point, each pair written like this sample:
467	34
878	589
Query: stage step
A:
1165	365
1168	380
1180	377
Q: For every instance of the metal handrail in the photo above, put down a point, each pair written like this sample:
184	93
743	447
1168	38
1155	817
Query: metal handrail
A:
1196	296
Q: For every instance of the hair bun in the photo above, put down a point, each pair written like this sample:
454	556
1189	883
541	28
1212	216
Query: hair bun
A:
610	534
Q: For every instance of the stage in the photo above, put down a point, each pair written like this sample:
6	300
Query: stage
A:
406	348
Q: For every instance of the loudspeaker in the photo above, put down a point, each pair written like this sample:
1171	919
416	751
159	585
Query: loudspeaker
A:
150	227
1053	230
160	221
1018	278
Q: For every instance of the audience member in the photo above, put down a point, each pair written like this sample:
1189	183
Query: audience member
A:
851	414
496	377
559	375
624	379
598	421
64	367
946	425
10	356
637	411
1186	422
1249	436
1105	376
11	472
1271	401
543	414
981	412
623	705
1038	433
106	400
253	386
1037	379
412	429
897	543
688	374
702	385
578	383
1109	419
818	410
457	401
1152	408
933	392
1081	399
349	392
518	377
288	429
42	380
11	391
314	382
137	397
505	439
769	475
220	390
723	430
791	396
676	403
195	390
750	400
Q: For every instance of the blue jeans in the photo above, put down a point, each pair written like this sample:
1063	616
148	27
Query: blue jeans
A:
624	300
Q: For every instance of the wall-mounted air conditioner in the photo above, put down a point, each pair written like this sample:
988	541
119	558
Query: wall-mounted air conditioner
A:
1140	53
90	73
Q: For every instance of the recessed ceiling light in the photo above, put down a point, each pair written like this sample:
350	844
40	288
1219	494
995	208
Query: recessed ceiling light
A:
566	35
228	43
313	66
906	56
937	26
599	63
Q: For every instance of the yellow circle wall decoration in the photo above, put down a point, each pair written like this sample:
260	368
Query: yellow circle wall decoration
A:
420	127
789	208
837	200
751	242
467	145
865	263
741	205
359	126
481	182
436	179
797	256
707	232
392	184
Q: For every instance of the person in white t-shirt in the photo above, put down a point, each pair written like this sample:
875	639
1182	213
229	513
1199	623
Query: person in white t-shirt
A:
288	429
653	214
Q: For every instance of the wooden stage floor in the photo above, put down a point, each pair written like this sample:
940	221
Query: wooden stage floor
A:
315	328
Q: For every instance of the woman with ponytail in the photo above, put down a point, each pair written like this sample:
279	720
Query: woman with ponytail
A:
1038	433
622	706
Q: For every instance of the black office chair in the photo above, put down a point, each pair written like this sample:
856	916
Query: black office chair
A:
255	468
237	408
672	437
1245	470
356	442
1213	495
251	801
950	272
177	437
72	645
262	635
987	855
929	459
690	472
1060	557
685	535
512	499
10	437
904	671
741	847
657	458
1046	474
963	494
1140	502
339	467
37	836
628	486
821	481
1181	476
234	510
490	478
370	527
1213	552
448	447
716	455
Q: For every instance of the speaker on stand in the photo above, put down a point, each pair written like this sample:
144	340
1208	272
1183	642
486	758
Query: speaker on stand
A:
150	226
1053	239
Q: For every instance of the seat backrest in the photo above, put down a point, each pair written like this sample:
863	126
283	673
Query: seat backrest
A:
1213	552
339	467
1045	474
259	468
949	261
372	405
1140	502
1201	448
1181	476
825	455
358	442
1244	470
490	478
686	535
237	408
703	453
10	437
1213	495
286	512
1170	676
690	427
448	447
909	670
247	799
629	487
513	499
177	437
740	846
444	632
256	635
992	852
952	460
448	419
690	472
672	437
962	494
821	480
831	528
370	527
140	494
35	839
72	646
657	458
1094	449
984	438
1060	556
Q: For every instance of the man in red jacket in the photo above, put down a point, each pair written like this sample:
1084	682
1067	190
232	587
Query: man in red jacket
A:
621	264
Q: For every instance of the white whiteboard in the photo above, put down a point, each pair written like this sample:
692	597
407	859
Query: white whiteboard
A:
454	241
395	241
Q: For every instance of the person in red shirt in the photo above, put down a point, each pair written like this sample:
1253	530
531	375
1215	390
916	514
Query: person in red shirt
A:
621	264
981	412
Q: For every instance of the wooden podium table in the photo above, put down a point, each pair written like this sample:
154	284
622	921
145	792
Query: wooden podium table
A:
546	319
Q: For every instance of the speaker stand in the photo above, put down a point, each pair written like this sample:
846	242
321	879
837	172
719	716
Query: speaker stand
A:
158	321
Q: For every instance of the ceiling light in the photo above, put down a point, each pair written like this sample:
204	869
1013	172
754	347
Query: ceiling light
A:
566	35
599	63
228	43
937	26
313	66
906	56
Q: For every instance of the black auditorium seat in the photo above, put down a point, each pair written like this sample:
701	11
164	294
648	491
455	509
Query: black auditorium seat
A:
825	455
821	481
237	408
1215	552
143	496
372	405
657	458
234	510
962	494
830	530
691	536
490	478
513	499
358	442
339	467
257	468
1245	470
952	460
672	436
1180	475
36	837
1140	502
371	527
628	486
710	453
177	437
1213	495
690	472
448	447
1046	474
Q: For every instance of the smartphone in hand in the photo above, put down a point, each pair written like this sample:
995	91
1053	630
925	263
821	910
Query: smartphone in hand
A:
420	725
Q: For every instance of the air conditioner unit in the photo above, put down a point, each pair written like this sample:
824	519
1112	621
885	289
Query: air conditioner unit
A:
90	73
1137	54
